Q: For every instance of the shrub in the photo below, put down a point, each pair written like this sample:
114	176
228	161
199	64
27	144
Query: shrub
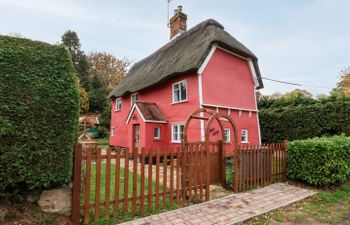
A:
319	161
38	114
302	120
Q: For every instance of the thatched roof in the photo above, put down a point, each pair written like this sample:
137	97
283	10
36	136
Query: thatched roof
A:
182	55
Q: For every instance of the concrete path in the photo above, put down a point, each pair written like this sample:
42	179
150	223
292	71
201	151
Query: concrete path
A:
231	209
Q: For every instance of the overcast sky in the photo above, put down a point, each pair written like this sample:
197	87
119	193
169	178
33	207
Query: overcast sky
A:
301	41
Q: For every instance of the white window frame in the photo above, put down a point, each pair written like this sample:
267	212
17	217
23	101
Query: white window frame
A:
178	135
116	104
156	137
173	92
246	136
132	101
228	130
113	132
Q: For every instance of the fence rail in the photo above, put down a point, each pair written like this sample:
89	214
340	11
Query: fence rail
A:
260	165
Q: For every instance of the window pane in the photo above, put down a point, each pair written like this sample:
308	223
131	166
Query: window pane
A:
181	132
175	132
183	91
156	132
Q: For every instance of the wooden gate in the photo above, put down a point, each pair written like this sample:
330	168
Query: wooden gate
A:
216	173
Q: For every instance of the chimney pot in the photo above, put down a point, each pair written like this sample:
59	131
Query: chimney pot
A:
178	22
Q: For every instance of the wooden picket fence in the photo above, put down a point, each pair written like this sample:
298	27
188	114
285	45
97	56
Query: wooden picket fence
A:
113	181
130	186
260	165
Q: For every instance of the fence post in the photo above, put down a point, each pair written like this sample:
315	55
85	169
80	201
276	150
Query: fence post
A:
76	184
285	143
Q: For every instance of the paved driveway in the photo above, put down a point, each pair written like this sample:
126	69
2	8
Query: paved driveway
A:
231	209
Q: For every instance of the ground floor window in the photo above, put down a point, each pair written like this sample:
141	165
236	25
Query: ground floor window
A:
156	134
177	133
244	136
227	134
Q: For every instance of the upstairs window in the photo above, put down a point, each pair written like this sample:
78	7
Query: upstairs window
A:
118	104
244	136
227	135
134	98
156	134
180	91
177	131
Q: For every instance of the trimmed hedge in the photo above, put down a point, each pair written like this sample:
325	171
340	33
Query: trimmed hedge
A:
319	161
306	120
39	111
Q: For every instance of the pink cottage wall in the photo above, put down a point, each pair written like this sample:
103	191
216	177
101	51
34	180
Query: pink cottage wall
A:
226	83
176	113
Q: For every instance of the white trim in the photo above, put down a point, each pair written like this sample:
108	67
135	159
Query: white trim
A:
250	114
239	113
155	121
143	118
247	135
133	94
257	117
200	94
207	59
200	86
156	137
253	73
116	104
173	99
229	107
229	112
229	135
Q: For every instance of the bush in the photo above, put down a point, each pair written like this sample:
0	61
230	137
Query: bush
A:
319	161
39	113
304	119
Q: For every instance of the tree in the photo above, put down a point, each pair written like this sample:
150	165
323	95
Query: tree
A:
84	100
297	93
97	99
109	69
71	41
344	84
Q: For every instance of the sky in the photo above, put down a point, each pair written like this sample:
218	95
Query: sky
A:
299	41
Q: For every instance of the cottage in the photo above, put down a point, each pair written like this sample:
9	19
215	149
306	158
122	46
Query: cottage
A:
202	67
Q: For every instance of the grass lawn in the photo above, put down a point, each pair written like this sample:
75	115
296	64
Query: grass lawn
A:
122	217
103	140
327	207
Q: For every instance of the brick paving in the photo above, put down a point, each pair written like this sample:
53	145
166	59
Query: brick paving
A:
231	209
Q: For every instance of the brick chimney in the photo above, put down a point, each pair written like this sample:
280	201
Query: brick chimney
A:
178	22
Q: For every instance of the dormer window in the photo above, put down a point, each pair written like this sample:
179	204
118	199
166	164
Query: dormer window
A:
134	98
180	92
118	104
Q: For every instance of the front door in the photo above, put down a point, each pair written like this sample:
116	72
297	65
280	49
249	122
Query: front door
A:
136	132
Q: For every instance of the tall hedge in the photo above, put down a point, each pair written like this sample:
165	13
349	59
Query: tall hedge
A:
319	161
39	106
305	120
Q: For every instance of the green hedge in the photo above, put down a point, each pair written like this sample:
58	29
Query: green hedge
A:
39	106
314	119
319	161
